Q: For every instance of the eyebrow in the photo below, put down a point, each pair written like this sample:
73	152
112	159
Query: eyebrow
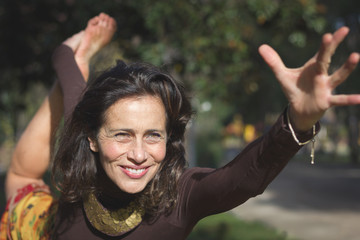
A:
132	131
156	130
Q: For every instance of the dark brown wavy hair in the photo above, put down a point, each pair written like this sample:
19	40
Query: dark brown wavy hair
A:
76	168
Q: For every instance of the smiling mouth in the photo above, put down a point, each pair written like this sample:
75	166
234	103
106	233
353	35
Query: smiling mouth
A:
134	173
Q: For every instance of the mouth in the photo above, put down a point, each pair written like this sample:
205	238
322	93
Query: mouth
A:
134	172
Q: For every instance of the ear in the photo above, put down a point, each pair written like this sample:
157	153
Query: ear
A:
93	145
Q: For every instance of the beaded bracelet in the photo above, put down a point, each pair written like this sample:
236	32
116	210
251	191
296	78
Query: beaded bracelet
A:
312	155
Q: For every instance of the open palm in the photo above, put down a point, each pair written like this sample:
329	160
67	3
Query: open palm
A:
309	88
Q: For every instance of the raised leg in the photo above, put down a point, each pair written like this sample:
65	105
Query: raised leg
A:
98	33
33	151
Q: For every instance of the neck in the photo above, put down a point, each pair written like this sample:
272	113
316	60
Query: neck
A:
114	201
109	194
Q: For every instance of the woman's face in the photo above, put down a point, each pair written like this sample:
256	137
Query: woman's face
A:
132	142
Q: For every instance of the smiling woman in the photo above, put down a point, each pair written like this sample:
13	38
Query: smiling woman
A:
133	119
120	164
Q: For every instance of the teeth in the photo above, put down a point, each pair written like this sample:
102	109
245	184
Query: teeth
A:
135	171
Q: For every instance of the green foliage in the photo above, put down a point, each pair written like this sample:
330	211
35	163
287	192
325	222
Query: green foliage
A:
264	9
209	132
214	43
209	44
227	227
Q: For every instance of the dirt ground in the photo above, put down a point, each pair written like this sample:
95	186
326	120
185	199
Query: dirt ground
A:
310	202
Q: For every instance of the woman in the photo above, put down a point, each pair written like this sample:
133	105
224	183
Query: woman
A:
121	166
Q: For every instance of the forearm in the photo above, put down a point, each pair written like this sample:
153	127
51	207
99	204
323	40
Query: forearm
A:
248	174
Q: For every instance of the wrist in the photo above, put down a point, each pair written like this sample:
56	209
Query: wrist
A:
300	123
312	155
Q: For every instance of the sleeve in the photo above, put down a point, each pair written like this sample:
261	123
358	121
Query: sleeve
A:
209	191
71	80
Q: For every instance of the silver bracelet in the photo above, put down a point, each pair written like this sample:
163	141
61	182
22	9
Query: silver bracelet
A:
312	155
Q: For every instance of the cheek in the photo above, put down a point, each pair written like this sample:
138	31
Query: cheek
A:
159	153
111	151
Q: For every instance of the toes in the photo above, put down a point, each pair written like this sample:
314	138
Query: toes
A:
103	23
94	21
112	23
103	15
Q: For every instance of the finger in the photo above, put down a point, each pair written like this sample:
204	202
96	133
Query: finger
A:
328	46
340	34
272	58
324	56
345	70
343	100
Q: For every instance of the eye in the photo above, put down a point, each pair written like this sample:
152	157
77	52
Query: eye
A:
154	137
123	137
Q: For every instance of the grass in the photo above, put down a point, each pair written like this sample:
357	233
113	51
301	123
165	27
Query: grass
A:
227	227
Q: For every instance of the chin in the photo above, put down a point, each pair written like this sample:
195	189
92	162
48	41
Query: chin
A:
132	189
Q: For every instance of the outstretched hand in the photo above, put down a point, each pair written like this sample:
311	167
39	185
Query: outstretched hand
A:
309	88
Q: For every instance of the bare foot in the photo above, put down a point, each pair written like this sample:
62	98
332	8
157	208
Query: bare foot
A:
74	41
98	33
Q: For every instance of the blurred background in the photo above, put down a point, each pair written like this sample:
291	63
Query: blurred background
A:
210	45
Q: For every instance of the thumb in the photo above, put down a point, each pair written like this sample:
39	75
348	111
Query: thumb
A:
272	58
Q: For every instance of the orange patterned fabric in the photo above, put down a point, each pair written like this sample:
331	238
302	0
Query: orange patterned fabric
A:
29	214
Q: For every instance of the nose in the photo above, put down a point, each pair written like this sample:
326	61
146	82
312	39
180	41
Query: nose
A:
138	153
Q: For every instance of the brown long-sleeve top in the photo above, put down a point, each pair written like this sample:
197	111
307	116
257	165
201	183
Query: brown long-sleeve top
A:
202	191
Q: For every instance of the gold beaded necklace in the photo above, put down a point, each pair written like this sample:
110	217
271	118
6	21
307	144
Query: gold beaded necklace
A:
113	222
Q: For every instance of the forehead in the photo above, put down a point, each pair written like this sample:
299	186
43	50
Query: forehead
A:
145	110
